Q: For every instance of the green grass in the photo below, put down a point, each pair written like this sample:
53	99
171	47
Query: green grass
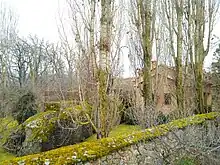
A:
122	129
6	126
5	155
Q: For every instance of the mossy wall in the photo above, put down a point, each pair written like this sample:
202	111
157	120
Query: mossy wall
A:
136	148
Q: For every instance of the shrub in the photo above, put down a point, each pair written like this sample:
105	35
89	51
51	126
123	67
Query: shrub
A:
25	107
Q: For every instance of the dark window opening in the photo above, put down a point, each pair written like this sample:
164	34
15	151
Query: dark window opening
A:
152	96
167	98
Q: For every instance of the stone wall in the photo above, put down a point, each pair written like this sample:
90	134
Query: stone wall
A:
196	136
168	149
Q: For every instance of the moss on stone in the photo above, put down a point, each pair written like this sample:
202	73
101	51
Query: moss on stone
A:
91	150
41	125
44	123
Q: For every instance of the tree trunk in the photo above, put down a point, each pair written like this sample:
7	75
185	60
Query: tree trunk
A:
178	59
146	22
199	54
104	69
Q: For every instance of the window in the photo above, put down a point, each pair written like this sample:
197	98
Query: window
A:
167	98
206	98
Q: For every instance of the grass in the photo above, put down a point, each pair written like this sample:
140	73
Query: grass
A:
5	155
6	126
122	129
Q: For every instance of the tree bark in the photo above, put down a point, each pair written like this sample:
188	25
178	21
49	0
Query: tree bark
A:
178	58
104	64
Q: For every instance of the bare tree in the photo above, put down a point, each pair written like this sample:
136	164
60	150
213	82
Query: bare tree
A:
19	62
95	56
201	17
143	17
173	12
8	24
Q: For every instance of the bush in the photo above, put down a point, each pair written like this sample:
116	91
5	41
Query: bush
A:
25	107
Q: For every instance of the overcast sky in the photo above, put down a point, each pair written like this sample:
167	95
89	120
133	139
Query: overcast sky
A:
39	17
36	17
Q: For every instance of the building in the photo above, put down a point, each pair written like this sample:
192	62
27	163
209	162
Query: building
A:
164	88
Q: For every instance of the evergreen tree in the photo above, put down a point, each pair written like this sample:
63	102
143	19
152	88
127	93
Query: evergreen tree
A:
25	107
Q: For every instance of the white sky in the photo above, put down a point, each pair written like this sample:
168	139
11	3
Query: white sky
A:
36	17
39	17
